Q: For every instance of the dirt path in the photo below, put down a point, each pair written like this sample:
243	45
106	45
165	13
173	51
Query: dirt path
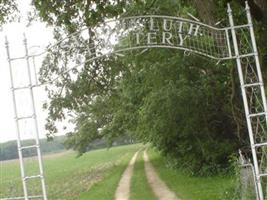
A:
160	189
123	189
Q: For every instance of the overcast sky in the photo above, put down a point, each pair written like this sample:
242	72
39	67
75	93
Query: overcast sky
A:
37	34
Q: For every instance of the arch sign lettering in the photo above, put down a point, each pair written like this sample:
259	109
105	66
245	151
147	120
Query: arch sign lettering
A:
156	31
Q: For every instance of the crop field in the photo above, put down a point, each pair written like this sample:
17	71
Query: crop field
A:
66	175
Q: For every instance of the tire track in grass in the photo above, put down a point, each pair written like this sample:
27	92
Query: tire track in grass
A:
123	189
160	189
105	188
140	188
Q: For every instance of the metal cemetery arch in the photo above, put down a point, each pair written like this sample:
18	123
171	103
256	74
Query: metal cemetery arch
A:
153	31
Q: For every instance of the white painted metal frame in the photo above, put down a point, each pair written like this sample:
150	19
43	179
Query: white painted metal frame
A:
244	85
231	43
29	88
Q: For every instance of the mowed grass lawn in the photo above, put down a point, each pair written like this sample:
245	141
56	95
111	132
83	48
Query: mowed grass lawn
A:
95	176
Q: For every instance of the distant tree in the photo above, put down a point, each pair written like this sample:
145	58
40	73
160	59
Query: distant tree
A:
9	150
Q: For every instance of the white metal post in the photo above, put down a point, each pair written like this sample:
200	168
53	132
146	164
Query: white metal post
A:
245	102
254	178
39	154
22	170
257	61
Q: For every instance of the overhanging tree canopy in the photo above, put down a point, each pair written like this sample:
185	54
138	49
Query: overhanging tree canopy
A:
184	107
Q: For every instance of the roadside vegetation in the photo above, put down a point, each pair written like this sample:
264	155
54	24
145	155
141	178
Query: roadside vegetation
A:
190	187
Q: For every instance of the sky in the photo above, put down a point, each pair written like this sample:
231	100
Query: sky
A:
37	34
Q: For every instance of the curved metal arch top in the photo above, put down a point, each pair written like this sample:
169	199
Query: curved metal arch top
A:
149	31
133	33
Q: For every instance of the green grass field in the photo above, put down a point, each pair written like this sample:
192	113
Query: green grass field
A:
97	174
66	176
187	187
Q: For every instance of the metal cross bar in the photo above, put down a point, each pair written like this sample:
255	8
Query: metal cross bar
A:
28	147
32	177
24	87
253	84
17	198
260	144
26	117
257	114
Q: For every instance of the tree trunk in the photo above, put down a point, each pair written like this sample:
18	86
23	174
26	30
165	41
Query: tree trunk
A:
206	10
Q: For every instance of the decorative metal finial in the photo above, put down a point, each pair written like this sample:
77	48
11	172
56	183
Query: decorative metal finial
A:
6	40
24	38
229	9
249	18
247	6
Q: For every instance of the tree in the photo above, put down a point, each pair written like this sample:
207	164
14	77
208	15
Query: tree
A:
178	104
95	77
8	9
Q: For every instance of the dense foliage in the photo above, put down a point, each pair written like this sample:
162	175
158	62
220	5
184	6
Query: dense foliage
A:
180	105
186	106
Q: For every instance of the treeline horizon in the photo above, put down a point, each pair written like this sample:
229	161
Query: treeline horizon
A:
9	150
